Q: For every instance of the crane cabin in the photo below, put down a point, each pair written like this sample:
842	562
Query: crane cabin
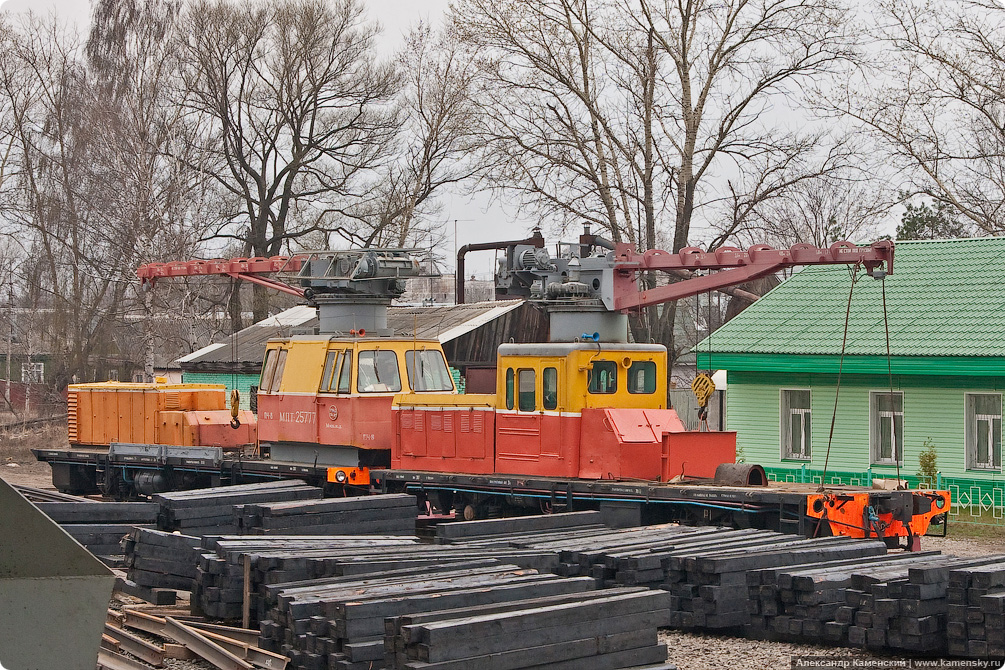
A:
327	400
585	410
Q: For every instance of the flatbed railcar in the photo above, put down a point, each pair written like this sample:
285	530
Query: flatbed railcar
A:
783	506
123	471
787	507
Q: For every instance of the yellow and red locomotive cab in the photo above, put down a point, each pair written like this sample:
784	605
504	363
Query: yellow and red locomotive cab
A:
583	410
327	400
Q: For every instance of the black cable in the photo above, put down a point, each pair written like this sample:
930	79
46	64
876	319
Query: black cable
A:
889	370
837	389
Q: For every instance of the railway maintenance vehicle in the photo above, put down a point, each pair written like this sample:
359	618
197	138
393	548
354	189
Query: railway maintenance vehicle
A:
581	421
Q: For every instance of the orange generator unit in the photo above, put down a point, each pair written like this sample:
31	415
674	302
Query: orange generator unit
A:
187	415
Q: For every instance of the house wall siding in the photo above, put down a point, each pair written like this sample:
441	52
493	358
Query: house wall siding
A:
933	410
243	383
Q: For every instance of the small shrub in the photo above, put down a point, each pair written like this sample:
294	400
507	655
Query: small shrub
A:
928	467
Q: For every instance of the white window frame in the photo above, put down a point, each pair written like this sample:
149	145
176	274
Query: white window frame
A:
971	434
785	438
874	414
32	372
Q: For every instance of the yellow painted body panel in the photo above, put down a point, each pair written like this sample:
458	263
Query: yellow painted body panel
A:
409	400
304	364
574	371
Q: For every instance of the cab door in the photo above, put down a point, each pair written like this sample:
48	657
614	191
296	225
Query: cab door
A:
335	415
553	406
519	421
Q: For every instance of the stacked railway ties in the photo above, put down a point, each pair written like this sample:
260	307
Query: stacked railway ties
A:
544	591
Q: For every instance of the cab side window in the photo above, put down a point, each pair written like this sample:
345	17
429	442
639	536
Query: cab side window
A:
327	377
603	377
277	376
509	388
527	380
549	383
346	370
268	370
642	377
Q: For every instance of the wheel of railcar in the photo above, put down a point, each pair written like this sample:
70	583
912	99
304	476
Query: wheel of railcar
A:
470	512
111	486
442	501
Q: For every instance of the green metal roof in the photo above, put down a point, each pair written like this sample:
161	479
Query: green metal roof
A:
944	298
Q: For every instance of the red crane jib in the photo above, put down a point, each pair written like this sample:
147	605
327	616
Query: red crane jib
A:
247	269
734	266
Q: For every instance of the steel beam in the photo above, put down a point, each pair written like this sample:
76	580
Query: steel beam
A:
203	646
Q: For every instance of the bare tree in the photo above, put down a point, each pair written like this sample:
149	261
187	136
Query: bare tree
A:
941	115
731	62
430	152
556	131
626	113
89	192
70	272
297	109
821	212
143	156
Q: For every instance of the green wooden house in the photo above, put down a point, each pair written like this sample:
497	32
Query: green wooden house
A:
941	384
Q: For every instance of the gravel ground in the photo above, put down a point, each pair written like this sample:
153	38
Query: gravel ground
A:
18	465
698	651
969	547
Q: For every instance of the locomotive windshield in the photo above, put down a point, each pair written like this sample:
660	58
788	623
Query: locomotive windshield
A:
378	372
427	371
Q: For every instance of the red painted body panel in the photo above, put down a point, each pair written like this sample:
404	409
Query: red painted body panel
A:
625	443
544	445
444	439
363	422
696	454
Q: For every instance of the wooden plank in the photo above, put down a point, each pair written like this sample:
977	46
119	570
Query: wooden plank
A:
246	600
522	656
468	597
494	624
100	512
177	611
386	501
634	625
153	595
494	526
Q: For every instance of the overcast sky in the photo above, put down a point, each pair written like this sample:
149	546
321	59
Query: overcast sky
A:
478	220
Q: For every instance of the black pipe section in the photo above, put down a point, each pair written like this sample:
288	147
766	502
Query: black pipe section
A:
535	240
